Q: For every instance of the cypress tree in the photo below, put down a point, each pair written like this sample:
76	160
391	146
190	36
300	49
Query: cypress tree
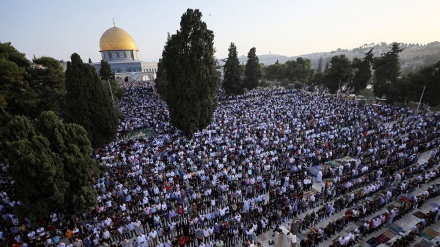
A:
232	82
189	75
106	72
88	104
252	72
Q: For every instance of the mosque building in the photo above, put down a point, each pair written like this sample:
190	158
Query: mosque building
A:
118	48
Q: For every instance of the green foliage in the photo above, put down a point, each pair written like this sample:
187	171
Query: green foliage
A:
117	90
319	69
362	73
48	82
50	164
106	72
386	70
88	103
297	70
252	72
161	80
396	92
284	83
18	127
298	85
190	80
265	83
29	88
339	73
8	52
37	174
319	79
290	86
429	76
14	91
327	66
232	82
273	72
367	93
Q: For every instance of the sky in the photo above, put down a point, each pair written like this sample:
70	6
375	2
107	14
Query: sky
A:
287	27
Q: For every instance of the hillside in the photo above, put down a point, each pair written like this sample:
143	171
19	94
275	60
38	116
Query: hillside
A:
413	57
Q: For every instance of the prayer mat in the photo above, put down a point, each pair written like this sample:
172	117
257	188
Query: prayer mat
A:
314	191
431	232
394	205
424	235
301	236
434	205
419	215
389	234
373	242
308	194
350	228
395	228
405	199
424	243
390	207
382	238
360	222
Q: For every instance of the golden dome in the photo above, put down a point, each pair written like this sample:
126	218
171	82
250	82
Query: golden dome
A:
116	39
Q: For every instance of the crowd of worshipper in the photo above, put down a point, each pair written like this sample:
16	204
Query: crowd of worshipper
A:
403	203
246	173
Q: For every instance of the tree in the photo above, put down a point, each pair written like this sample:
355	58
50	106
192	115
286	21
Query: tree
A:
161	81
15	94
428	76
106	72
191	80
386	70
319	69
51	165
297	70
252	73
110	84
232	82
88	104
362	73
273	71
339	73
90	61
29	88
319	79
327	65
47	80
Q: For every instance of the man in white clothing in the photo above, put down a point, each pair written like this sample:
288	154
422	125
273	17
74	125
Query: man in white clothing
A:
142	240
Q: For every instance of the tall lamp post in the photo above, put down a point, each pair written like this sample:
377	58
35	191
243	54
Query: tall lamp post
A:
424	87
339	87
111	91
421	96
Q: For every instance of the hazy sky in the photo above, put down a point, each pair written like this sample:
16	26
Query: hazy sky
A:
289	27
